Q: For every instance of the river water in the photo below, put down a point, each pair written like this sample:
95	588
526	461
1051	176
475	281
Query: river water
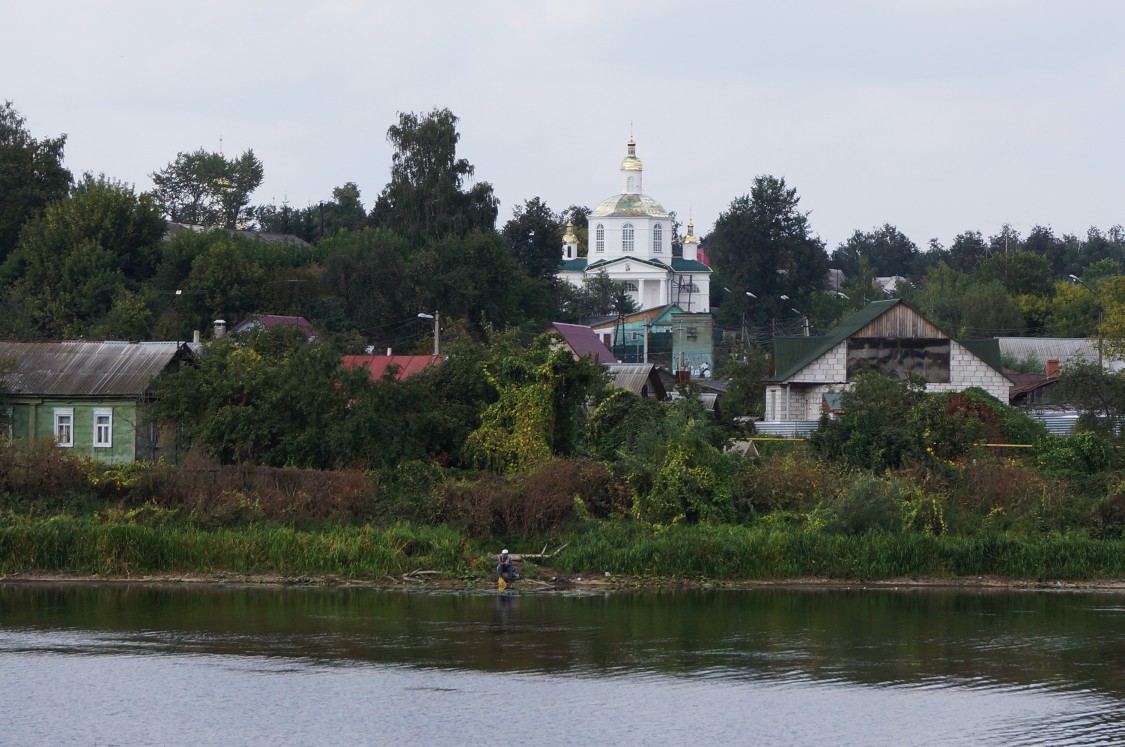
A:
174	665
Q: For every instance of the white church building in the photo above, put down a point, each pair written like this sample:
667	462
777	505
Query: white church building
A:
630	239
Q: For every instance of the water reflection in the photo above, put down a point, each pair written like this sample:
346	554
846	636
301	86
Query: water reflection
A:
967	667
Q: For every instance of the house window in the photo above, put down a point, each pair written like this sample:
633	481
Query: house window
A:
900	358
103	429
630	286
627	237
64	426
600	238
657	237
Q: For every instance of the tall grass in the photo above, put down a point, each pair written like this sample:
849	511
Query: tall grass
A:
90	545
786	552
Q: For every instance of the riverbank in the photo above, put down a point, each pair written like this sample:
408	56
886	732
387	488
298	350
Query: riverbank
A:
553	583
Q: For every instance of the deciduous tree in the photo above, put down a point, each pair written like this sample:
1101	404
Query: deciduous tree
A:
31	175
208	189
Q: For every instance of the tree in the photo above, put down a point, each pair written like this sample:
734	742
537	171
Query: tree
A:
967	249
763	243
875	431
535	235
426	197
988	311
31	176
887	250
1019	272
208	189
369	271
73	261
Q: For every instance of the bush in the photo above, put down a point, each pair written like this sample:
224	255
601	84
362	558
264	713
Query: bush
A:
868	504
793	481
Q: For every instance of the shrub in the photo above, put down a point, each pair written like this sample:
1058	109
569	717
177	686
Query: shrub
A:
868	504
793	481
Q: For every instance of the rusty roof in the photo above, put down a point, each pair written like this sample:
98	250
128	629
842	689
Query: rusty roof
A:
85	369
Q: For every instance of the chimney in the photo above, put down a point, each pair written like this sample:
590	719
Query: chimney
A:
220	328
1053	367
195	336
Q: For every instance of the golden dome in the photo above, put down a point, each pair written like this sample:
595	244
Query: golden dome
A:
690	237
569	237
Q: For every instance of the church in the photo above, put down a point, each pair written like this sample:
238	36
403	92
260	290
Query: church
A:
630	239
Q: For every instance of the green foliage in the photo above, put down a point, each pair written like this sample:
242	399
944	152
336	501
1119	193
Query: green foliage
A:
764	243
32	176
537	412
1083	453
886	250
875	432
746	371
869	504
208	189
425	198
81	254
535	236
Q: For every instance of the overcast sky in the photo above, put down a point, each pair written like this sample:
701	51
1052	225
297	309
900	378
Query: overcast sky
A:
935	116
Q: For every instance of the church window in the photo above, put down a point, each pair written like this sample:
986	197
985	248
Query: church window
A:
600	238
657	237
627	237
630	286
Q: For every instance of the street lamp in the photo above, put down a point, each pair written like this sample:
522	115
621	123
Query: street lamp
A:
1097	319
437	330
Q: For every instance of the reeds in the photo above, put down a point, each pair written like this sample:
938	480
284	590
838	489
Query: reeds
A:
117	548
789	552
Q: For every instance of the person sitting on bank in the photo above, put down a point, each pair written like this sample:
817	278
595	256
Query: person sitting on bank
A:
504	568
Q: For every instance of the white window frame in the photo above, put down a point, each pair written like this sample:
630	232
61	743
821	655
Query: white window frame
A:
630	286
67	414
657	237
599	233
627	237
107	442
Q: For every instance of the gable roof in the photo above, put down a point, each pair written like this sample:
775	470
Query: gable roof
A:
652	315
86	369
573	265
406	365
638	378
583	341
274	320
791	354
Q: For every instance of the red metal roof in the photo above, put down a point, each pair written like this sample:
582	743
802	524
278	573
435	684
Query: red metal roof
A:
407	365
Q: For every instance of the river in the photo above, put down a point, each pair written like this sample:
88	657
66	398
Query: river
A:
119	664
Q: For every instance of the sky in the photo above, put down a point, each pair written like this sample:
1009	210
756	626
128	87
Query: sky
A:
936	116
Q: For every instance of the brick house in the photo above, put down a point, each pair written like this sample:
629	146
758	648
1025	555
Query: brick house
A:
886	336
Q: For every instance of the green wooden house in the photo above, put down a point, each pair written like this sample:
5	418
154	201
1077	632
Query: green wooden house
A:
89	397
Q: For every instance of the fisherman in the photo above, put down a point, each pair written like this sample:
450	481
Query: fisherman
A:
505	571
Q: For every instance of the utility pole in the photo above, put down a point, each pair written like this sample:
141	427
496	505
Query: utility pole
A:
437	330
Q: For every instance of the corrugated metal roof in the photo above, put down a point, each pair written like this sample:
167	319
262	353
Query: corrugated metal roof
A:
1061	349
633	377
86	369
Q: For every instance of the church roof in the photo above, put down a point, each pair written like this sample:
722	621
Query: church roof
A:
573	265
629	206
680	264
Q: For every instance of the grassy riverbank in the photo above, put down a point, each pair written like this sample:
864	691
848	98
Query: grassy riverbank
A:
118	548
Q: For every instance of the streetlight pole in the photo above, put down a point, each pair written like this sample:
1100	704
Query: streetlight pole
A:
1097	320
437	330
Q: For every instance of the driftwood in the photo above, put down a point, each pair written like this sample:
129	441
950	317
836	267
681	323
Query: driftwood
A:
412	575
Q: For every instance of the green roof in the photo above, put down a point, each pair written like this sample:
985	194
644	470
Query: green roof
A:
679	264
573	265
791	354
652	262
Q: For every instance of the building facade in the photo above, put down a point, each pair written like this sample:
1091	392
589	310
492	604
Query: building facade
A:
630	240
